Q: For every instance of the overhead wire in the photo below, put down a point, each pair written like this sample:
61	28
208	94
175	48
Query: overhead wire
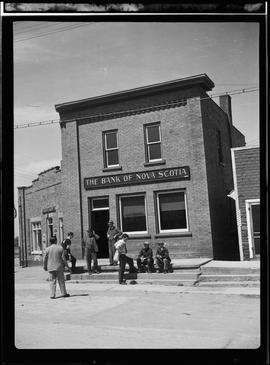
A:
212	96
20	31
53	32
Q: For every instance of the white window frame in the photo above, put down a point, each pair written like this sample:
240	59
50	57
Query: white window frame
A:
145	210
178	230
102	208
106	149
151	143
248	204
35	226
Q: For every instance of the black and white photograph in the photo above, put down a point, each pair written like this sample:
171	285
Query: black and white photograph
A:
137	177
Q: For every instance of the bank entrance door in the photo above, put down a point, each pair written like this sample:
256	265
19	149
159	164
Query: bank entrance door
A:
98	220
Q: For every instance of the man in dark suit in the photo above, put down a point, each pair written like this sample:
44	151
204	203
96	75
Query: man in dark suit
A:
54	262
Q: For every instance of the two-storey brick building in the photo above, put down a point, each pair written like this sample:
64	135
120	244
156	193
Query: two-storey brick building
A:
156	160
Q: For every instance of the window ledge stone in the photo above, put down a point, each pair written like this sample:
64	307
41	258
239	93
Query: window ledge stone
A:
106	169
161	162
173	234
139	236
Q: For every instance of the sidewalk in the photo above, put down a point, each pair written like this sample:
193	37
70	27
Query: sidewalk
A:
35	276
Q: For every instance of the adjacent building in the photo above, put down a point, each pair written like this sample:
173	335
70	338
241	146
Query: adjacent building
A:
246	193
156	160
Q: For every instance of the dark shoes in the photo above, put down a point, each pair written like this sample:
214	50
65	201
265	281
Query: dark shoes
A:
123	282
52	297
65	296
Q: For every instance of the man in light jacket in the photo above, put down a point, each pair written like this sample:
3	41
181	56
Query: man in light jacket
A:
54	262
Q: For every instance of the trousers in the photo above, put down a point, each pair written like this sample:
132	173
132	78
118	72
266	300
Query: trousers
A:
55	276
146	263
163	264
111	250
91	255
123	259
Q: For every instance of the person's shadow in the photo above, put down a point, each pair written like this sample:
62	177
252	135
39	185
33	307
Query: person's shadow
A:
73	295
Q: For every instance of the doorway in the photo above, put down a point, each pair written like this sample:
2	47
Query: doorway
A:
253	225
99	216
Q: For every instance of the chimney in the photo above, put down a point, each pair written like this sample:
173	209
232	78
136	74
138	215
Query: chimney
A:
226	106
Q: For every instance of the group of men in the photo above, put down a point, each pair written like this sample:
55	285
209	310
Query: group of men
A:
57	257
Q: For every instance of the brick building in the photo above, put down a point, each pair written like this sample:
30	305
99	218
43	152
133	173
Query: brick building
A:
40	214
246	193
156	160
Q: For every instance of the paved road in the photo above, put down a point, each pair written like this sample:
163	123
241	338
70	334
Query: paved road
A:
133	316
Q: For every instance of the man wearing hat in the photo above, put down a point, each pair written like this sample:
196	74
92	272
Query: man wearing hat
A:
145	260
162	258
112	235
54	262
91	250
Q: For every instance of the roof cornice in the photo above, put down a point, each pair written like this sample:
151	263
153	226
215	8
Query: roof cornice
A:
201	80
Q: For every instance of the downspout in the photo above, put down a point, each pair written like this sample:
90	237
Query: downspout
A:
79	175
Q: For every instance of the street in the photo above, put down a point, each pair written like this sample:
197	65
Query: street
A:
133	316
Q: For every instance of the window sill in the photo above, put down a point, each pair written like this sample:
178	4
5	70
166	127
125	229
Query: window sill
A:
160	162
139	236
36	253
112	168
173	234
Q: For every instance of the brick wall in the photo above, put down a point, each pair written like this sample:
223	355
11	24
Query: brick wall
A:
220	179
247	164
181	130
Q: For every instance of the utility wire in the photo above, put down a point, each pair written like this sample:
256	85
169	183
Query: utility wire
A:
20	31
53	32
53	121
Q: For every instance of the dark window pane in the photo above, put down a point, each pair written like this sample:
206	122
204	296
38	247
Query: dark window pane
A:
100	203
154	151
133	214
172	211
111	140
112	157
153	134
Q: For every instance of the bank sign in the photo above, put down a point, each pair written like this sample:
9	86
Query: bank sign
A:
142	177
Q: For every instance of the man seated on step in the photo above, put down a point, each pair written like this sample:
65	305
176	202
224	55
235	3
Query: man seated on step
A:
163	260
145	261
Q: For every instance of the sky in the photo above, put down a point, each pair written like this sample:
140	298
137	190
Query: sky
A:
57	62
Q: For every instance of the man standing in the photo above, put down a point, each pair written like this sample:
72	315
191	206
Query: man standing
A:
112	234
68	255
91	250
145	259
54	263
123	258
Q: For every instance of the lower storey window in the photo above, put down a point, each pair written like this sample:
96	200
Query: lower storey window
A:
36	237
172	212
132	214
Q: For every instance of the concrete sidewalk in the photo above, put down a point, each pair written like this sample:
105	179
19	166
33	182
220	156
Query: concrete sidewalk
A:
35	276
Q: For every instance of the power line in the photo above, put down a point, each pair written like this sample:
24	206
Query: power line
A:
174	103
53	32
35	27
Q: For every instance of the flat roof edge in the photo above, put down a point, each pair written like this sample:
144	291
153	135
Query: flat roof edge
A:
201	79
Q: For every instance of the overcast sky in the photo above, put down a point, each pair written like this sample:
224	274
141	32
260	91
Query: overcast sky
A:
56	62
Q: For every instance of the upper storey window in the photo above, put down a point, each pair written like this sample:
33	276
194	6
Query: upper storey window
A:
153	142
111	149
